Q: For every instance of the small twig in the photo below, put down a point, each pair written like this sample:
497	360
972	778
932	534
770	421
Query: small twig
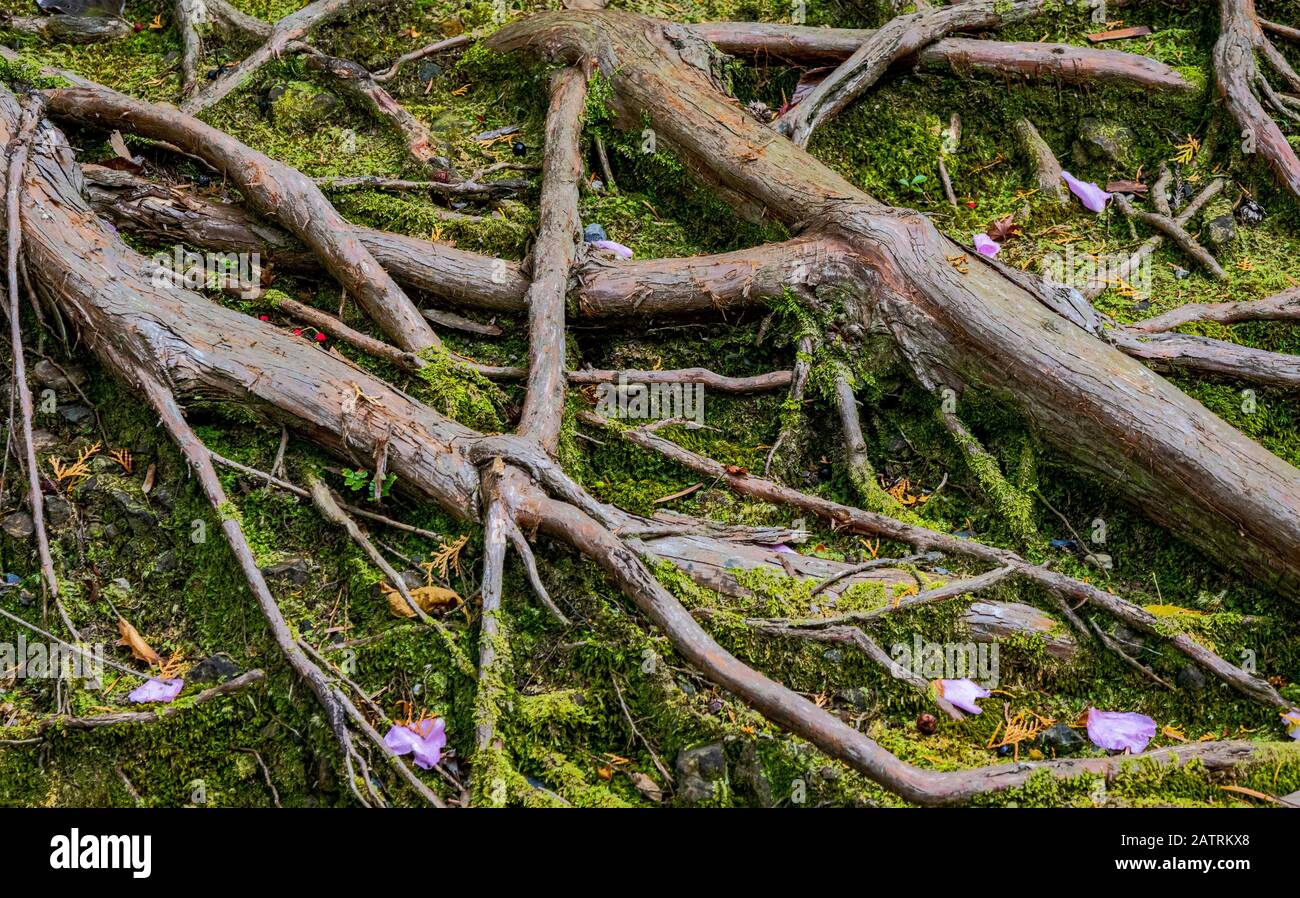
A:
450	43
659	765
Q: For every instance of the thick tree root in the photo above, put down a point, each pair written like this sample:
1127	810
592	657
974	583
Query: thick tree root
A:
150	335
276	190
1108	414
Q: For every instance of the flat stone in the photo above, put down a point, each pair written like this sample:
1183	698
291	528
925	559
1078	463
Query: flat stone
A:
18	525
47	375
213	669
1222	230
75	413
1060	740
294	568
1100	140
58	510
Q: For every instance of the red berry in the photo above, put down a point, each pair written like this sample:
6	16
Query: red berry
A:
263	317
297	332
139	26
320	338
971	204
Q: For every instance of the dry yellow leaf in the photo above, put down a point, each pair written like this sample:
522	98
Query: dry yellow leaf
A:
429	598
132	639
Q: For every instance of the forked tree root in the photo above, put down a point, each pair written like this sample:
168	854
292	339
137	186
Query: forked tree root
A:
151	335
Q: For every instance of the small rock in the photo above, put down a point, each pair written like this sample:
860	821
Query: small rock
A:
1222	230
164	497
518	147
1104	141
1180	273
18	525
856	697
429	70
698	769
294	568
119	586
141	517
593	232
1060	740
213	669
1099	560
166	563
58	510
708	762
1189	677
75	413
47	374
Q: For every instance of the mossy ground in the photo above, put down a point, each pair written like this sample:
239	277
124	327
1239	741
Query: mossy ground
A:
573	692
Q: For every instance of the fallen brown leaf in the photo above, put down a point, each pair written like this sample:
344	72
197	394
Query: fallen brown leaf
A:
132	639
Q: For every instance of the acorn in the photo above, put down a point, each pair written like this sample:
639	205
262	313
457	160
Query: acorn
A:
928	724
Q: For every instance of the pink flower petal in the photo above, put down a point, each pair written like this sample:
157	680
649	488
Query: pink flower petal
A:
425	739
156	690
1120	730
986	245
962	694
617	249
1093	197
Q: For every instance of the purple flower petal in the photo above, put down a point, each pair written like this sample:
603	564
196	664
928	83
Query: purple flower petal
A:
156	690
962	694
1292	721
424	739
617	249
1120	730
782	547
1093	197
986	245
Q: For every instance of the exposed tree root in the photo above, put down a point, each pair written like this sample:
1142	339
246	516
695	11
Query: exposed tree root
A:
189	16
900	37
1284	306
19	149
1108	414
127	718
1175	232
276	190
1240	38
69	29
291	28
857	520
1047	171
1068	64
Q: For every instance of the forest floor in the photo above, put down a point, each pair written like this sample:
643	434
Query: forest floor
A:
602	712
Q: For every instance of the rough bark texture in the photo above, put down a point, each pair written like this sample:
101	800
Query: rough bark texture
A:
276	191
1116	420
